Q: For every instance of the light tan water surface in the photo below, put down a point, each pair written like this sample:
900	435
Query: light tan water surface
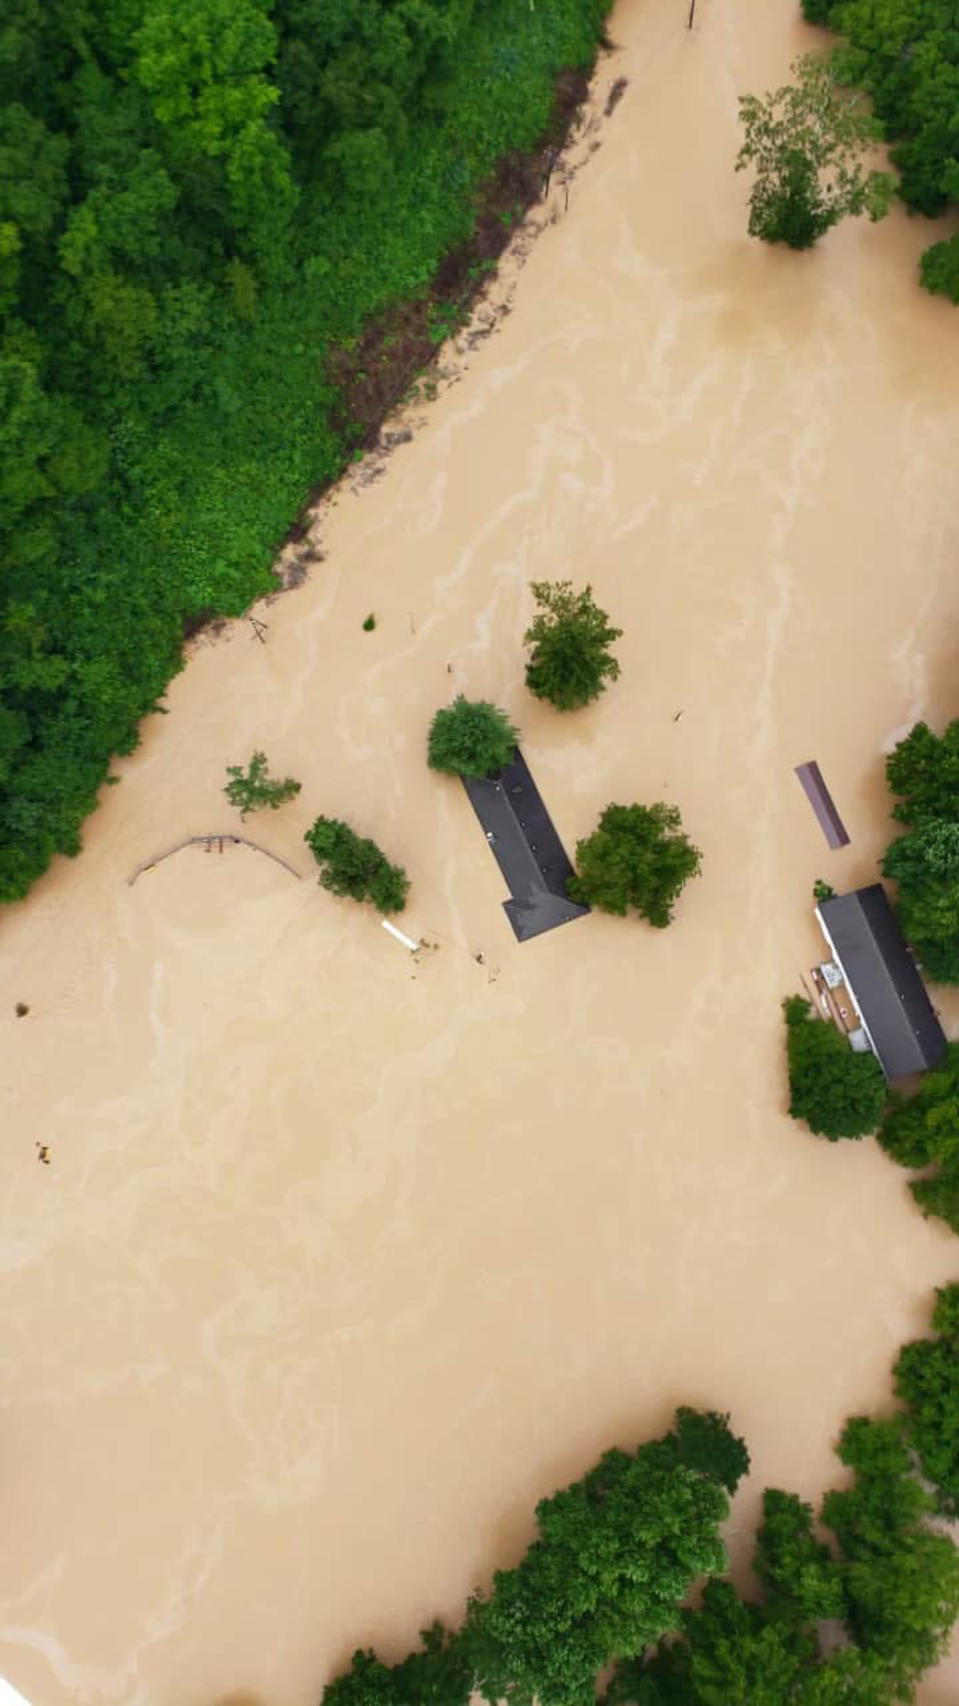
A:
340	1259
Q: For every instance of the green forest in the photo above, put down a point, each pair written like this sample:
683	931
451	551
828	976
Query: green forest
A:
617	1553
201	203
906	55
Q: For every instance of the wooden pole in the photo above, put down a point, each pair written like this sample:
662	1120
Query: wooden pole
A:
692	14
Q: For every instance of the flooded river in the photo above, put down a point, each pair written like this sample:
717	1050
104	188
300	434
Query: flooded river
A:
339	1260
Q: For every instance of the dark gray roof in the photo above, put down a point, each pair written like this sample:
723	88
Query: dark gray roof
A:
883	977
526	847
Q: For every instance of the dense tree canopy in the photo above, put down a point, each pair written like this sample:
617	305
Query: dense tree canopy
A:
923	1131
438	1673
906	55
570	662
352	865
890	1579
924	770
614	1555
901	1579
838	1092
639	857
925	866
607	1568
199	200
927	1381
471	737
805	142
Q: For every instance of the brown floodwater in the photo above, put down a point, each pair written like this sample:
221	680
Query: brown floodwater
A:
340	1259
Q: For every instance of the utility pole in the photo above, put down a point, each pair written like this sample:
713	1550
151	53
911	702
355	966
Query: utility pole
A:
692	14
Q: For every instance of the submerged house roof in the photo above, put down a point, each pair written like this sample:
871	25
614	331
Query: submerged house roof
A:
526	847
881	975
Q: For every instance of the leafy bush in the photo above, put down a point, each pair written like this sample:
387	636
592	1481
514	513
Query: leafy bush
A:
837	1092
471	737
253	788
927	1381
570	636
638	857
805	141
939	269
355	867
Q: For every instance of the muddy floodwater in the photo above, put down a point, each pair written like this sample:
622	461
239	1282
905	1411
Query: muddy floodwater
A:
322	1263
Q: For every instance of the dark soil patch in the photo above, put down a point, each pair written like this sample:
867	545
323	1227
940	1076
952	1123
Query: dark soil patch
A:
398	345
204	621
616	93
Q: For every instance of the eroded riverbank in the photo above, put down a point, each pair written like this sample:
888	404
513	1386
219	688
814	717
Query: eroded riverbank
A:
340	1262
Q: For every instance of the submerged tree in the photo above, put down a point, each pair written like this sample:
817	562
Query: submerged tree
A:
616	1554
806	141
927	1381
923	769
703	1440
253	788
925	865
438	1673
923	1131
638	857
570	662
471	737
838	1092
901	1578
890	1579
353	865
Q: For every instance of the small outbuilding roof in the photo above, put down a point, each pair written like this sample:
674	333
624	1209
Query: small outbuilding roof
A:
822	804
881	974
